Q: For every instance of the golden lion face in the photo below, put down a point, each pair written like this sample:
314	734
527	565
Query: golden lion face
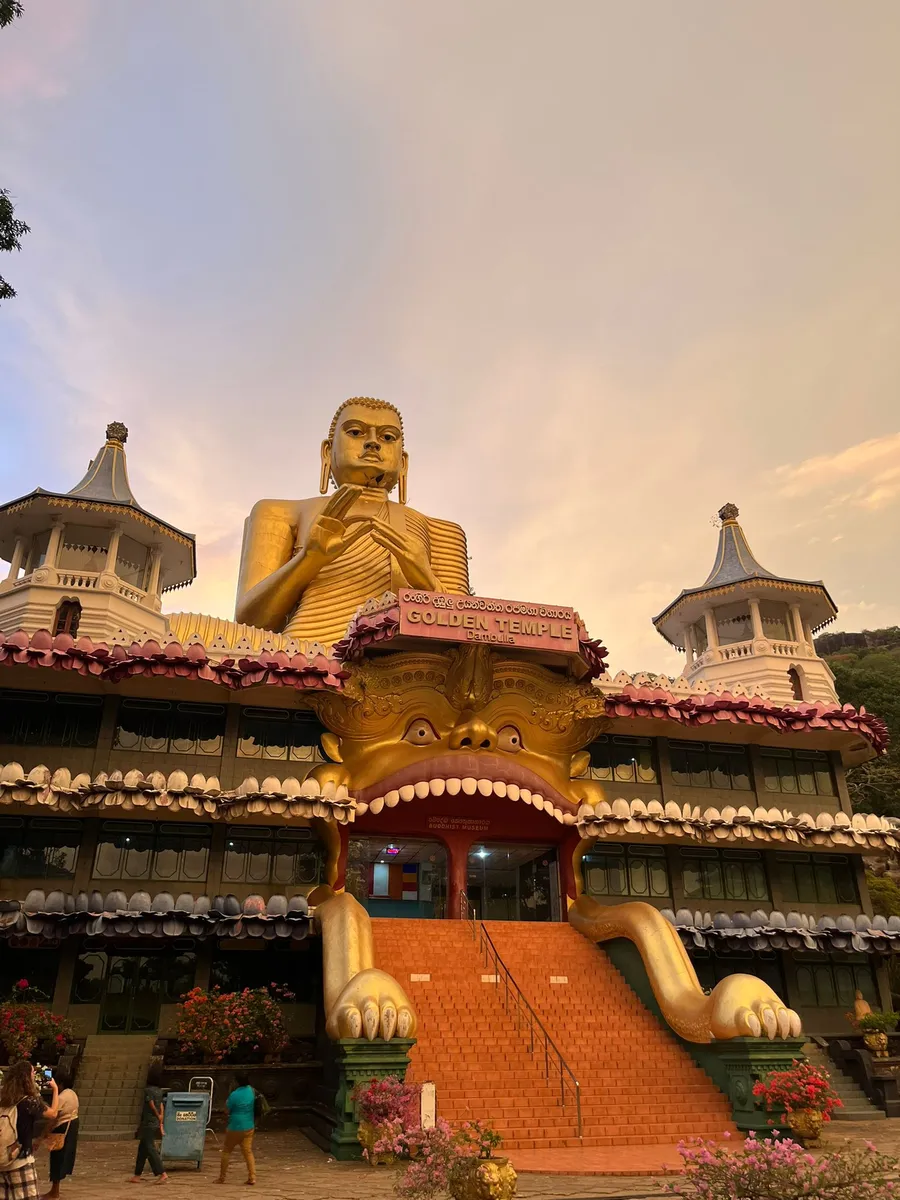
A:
467	720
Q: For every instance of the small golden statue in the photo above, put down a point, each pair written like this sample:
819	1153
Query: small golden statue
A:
308	565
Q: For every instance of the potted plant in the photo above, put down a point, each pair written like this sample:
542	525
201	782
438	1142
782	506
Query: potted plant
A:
27	1021
476	1172
805	1095
875	1026
386	1109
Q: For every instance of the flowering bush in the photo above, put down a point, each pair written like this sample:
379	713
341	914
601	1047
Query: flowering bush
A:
478	1139
432	1153
387	1102
216	1023
803	1086
25	1022
780	1169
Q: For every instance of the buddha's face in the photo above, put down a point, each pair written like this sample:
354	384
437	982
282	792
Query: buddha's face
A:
367	447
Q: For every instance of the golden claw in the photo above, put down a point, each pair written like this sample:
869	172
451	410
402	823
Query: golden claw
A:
739	1006
373	1004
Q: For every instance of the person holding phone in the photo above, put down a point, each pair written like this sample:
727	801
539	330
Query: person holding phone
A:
62	1140
20	1108
150	1129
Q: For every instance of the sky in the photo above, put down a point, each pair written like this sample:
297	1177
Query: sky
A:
616	261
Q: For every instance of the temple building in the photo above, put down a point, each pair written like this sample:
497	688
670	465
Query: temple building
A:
187	800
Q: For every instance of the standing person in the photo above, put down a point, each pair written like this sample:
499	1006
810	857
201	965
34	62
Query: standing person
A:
150	1129
62	1140
239	1130
20	1108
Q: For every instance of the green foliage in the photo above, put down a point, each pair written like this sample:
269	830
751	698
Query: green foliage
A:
885	894
866	669
878	1022
9	10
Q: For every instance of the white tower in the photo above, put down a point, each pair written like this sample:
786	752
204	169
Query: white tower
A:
746	625
90	561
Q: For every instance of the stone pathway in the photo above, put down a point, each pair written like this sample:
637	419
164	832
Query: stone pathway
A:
291	1168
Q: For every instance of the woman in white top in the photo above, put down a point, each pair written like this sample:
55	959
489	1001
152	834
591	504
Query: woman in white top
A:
62	1161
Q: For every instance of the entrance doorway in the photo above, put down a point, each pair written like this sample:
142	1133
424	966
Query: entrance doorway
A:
130	985
513	882
399	877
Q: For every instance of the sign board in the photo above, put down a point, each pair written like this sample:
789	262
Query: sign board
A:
496	622
469	824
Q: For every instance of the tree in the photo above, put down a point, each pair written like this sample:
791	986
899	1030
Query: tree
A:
867	672
11	230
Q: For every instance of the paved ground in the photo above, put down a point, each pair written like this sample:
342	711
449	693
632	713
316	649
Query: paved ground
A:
291	1168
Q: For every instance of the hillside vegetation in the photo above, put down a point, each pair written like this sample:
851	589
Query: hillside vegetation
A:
867	672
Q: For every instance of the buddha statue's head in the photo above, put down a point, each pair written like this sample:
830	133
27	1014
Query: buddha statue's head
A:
365	447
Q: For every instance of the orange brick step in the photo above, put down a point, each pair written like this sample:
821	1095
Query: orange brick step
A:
638	1087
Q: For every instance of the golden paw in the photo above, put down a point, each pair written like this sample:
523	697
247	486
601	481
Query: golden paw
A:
744	1006
372	1005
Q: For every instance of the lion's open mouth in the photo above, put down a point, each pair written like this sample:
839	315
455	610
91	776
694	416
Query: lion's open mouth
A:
469	774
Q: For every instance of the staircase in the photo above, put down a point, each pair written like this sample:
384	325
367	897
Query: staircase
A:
637	1086
110	1084
856	1104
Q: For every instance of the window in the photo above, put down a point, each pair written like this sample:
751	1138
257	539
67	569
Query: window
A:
290	857
167	728
797	772
796	683
833	982
297	967
166	974
698	764
723	875
627	871
142	850
624	759
816	878
733	623
776	620
68	615
712	966
39	967
38	848
44	719
279	733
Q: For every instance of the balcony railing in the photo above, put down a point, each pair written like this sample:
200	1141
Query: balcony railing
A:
85	581
540	1044
741	650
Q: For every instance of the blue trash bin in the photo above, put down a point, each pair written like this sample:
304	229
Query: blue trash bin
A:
185	1118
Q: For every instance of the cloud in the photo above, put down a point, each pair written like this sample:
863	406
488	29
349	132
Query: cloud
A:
871	468
37	52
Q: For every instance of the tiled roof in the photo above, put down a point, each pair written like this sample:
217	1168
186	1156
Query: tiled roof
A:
58	914
174	661
730	824
760	930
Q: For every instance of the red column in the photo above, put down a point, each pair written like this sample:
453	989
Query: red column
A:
567	848
458	843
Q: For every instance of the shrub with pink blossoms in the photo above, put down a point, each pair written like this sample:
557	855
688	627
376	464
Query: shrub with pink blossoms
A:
780	1169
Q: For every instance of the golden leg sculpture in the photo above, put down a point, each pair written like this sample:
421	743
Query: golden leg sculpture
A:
360	1000
739	1006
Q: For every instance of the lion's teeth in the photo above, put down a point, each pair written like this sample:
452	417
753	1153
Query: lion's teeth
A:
537	801
525	794
437	787
470	785
407	791
422	790
499	788
392	799
512	791
362	808
558	813
453	786
486	787
377	805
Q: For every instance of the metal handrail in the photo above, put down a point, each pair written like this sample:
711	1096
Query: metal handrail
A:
538	1037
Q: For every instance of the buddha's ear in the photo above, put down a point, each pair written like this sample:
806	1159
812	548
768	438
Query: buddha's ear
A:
404	471
332	746
325	474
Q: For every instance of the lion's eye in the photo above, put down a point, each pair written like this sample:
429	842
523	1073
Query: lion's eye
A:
421	733
509	739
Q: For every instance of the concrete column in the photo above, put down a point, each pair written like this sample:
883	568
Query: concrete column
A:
689	648
17	558
55	542
113	552
797	624
756	619
155	564
712	634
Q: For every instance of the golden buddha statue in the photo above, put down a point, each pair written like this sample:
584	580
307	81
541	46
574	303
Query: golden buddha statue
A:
308	565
